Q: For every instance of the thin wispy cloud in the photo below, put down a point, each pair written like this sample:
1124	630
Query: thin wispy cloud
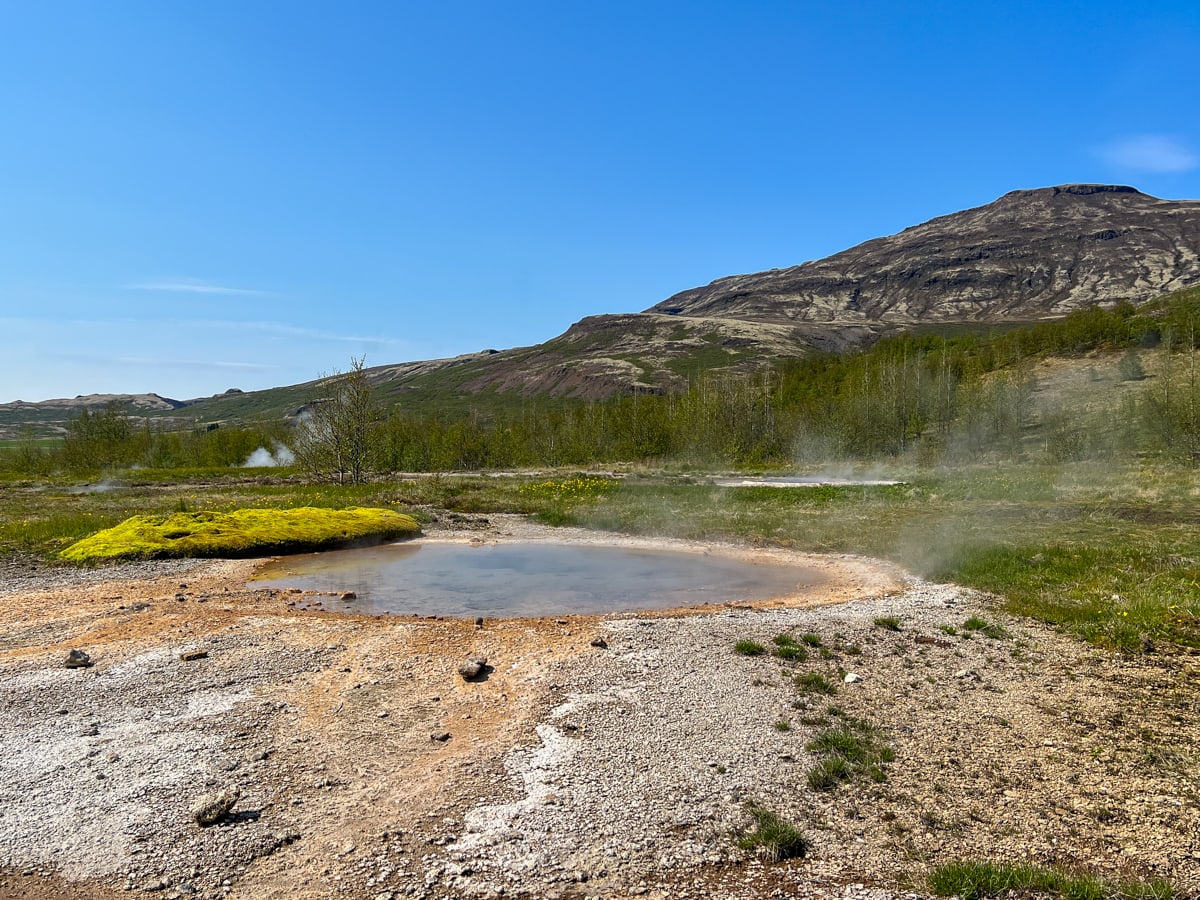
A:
192	364
277	329
195	286
294	331
153	362
1150	153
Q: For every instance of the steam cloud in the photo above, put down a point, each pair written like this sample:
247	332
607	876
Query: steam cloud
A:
264	458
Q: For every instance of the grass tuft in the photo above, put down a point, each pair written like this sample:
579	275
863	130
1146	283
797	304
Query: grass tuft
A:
888	623
773	837
985	628
749	648
815	683
787	648
792	653
852	748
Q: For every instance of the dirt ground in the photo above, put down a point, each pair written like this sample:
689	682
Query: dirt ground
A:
367	767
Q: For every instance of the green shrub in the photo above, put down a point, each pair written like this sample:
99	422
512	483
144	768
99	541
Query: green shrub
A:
887	623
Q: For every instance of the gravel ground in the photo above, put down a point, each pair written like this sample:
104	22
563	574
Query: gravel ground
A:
572	770
20	573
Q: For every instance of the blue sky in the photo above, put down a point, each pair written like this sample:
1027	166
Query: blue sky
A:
198	196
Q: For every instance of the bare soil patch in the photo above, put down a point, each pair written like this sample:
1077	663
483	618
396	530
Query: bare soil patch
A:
570	770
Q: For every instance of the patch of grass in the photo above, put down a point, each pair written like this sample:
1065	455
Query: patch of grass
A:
815	683
570	491
773	837
749	648
558	500
976	879
242	532
848	750
887	623
812	640
556	518
1123	590
984	627
787	648
829	773
783	725
948	629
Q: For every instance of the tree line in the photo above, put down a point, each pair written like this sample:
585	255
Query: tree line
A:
951	396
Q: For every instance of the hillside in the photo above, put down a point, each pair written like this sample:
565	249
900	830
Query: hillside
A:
1028	256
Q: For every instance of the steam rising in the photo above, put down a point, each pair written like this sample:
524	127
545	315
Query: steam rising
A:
264	458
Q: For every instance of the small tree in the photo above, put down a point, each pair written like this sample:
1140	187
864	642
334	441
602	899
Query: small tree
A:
336	436
97	440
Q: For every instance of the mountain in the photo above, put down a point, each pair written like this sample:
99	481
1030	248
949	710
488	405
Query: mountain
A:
1027	256
1032	254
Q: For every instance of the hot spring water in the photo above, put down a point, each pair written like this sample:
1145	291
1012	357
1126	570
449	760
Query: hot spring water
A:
530	579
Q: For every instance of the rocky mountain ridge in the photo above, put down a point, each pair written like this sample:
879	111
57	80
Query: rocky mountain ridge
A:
1030	255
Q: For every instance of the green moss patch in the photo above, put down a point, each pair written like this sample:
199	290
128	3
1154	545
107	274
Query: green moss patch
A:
242	532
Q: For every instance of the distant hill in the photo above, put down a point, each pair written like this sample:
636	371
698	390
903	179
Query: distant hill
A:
1031	255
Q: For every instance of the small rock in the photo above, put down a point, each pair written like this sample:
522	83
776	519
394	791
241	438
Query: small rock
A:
479	621
441	736
599	643
191	655
473	668
77	659
852	678
212	808
348	596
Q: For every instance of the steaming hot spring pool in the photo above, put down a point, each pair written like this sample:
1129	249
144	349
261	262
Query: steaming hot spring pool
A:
527	579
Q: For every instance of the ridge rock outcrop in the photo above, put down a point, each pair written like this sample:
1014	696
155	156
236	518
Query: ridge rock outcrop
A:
1029	255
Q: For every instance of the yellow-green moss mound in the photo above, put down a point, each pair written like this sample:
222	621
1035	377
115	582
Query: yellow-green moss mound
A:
242	532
